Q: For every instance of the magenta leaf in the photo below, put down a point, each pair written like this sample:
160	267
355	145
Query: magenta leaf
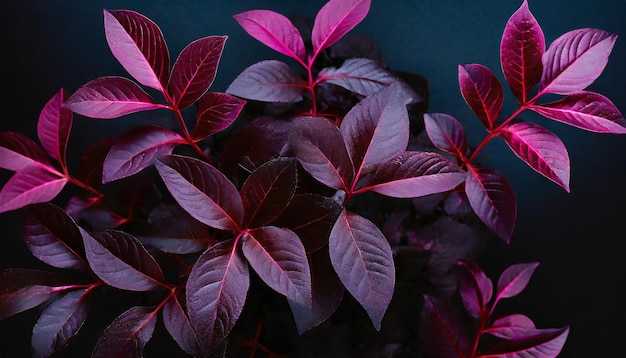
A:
514	279
278	257
203	191
541	149
138	44
358	75
268	81
22	289
121	261
194	70
18	152
510	327
482	91
491	197
335	19
446	133
575	60
521	49
321	151
475	288
415	174
53	237
442	332
59	322
127	335
92	161
216	293
216	111
362	258
536	343
275	31
53	127
137	149
110	97
586	110
268	190
30	186
177	324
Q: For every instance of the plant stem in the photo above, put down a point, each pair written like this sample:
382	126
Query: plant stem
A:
189	140
85	186
311	86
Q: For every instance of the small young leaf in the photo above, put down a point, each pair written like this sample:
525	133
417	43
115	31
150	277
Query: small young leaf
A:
358	75
482	91
127	335
510	327
446	133
475	288
443	333
18	152
335	19
536	343
177	324
268	81
110	97
22	289
53	127
30	186
216	111
514	279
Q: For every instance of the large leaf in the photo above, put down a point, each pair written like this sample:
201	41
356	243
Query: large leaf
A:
216	111
121	261
521	49
138	44
415	174
536	343
575	60
335	19
446	133
443	333
275	31
203	191
91	162
110	97
482	91
53	127
586	110
359	75
22	289
363	260
17	152
127	335
194	70
541	149
178	326
268	81
30	186
137	149
278	257
475	288
216	293
514	279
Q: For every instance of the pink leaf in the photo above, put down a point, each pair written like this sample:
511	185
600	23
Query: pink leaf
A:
275	31
492	199
442	332
541	149
514	279
137	149
446	133
203	191
363	260
575	60
536	343
92	161
18	152
358	75
586	110
177	324
216	293
127	335
110	97
22	289
482	91
138	44
216	111
194	70
268	81
521	49
475	288
510	327
30	186
53	127
335	19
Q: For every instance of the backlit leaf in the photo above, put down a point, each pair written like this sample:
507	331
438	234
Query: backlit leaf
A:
53	127
18	152
482	91
268	81
510	327
30	186
536	343
216	111
22	289
127	335
514	279
335	19
475	288
446	133
358	75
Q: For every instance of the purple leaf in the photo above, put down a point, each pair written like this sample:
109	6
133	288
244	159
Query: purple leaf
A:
53	127
536	343
203	191
53	237
121	261
267	191
110	97
30	186
357	46
18	152
321	151
575	60
177	324
475	288
22	289
586	110
335	19
510	327
278	257
92	162
442	332
138	44
362	258
268	81
127	335
358	75
446	133
59	322
514	279
275	31
541	149
194	70
137	149
521	49
216	293
482	91
492	199
216	111
415	174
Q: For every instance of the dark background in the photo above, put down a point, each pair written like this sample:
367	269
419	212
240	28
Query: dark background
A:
577	237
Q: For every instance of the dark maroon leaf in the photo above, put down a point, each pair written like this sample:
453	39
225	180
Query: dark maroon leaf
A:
53	127
536	343
18	152
357	46
475	288
110	97
30	186
510	327
268	81
121	261
335	19
203	191
53	237
358	75
94	214
22	289
216	293
482	91
177	324
138	44
127	335
216	111
446	133
514	279
92	162
442	332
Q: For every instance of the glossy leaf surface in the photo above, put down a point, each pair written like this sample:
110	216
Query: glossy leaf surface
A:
514	279
30	186
127	335
53	127
536	343
446	133
335	19
18	152
216	111
482	91
358	75
268	81
475	288
510	327
22	289
178	326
